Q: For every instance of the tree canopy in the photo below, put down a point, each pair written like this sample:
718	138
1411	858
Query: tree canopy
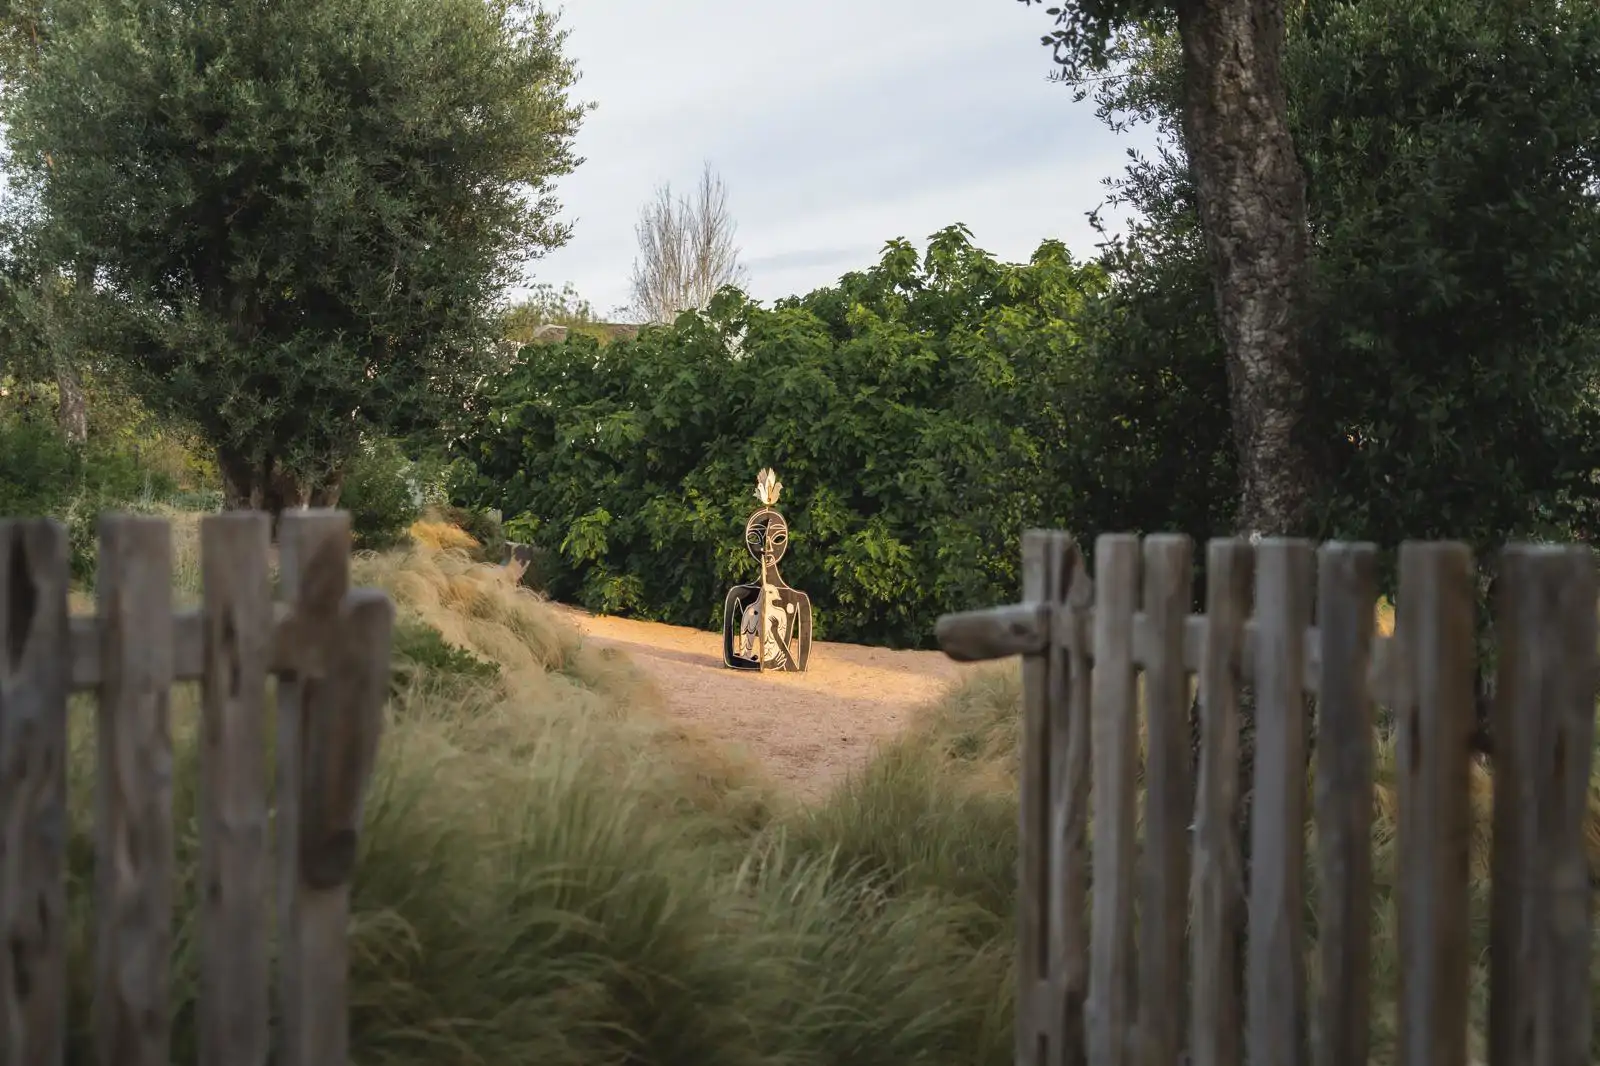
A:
924	411
1454	232
299	218
911	411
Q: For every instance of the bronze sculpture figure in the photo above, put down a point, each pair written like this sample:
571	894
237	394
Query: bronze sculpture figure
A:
766	625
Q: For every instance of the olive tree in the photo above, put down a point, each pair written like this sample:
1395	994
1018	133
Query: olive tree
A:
296	220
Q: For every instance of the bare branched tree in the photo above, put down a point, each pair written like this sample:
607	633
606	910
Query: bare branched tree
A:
686	251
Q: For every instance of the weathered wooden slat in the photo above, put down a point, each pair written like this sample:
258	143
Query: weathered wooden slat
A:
133	813
233	799
33	790
340	747
1033	1026
313	571
1539	1011
1070	774
1194	637
1116	753
1276	1001
1347	590
1022	629
329	716
1215	1014
1169	803
997	632
188	647
1435	628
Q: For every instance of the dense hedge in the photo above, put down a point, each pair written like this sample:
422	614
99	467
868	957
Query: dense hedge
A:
920	414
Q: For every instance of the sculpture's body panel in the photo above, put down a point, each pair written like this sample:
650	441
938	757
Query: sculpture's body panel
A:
766	625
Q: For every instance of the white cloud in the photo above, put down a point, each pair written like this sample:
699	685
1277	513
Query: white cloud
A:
837	125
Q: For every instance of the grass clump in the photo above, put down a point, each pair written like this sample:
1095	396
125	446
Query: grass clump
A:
552	871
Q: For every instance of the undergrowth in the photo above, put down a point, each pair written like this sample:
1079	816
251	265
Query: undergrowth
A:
554	871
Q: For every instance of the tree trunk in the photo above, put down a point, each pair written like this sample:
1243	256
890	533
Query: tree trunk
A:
260	485
326	491
1253	213
241	483
72	405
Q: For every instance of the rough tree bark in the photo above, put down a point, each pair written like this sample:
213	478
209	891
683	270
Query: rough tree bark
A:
72	403
1252	200
266	485
1252	203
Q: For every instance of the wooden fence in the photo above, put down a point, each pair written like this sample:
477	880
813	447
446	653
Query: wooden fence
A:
1174	986
329	648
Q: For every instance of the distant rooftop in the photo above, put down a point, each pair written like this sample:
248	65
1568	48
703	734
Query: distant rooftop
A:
612	331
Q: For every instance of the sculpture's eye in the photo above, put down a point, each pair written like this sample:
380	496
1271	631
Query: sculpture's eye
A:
780	537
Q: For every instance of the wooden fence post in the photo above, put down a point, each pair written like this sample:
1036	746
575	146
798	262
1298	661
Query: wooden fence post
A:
1049	1010
330	705
133	812
1047	629
1539	1007
238	619
1070	773
1435	718
34	682
1066	905
1347	593
1277	992
1169	803
1215	1014
1112	1007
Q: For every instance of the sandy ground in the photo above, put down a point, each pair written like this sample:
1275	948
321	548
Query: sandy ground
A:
807	729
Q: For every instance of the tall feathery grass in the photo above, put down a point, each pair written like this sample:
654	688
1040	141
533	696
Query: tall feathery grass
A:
555	872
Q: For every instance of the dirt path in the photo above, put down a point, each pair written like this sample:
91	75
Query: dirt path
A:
807	729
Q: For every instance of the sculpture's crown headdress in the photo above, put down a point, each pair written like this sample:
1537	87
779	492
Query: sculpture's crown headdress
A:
767	487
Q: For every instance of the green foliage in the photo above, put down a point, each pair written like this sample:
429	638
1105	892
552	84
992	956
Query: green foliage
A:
1455	230
380	495
303	214
38	470
920	414
482	526
423	657
41	475
1458	244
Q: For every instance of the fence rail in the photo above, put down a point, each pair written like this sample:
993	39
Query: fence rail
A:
329	649
1204	974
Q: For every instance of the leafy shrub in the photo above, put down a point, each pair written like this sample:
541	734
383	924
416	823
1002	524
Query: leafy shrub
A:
421	654
481	526
38	470
1455	320
43	475
380	495
920	415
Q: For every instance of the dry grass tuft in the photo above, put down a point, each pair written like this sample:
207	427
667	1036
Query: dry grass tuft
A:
442	536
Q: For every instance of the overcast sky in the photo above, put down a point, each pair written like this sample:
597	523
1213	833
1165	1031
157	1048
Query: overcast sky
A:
836	125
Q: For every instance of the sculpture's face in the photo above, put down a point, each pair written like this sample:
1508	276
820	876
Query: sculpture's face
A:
766	536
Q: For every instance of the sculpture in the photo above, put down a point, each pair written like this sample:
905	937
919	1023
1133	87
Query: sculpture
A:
766	625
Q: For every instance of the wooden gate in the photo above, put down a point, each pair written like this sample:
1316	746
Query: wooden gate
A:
1297	624
329	649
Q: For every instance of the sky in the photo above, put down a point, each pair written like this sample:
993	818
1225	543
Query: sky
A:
836	125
